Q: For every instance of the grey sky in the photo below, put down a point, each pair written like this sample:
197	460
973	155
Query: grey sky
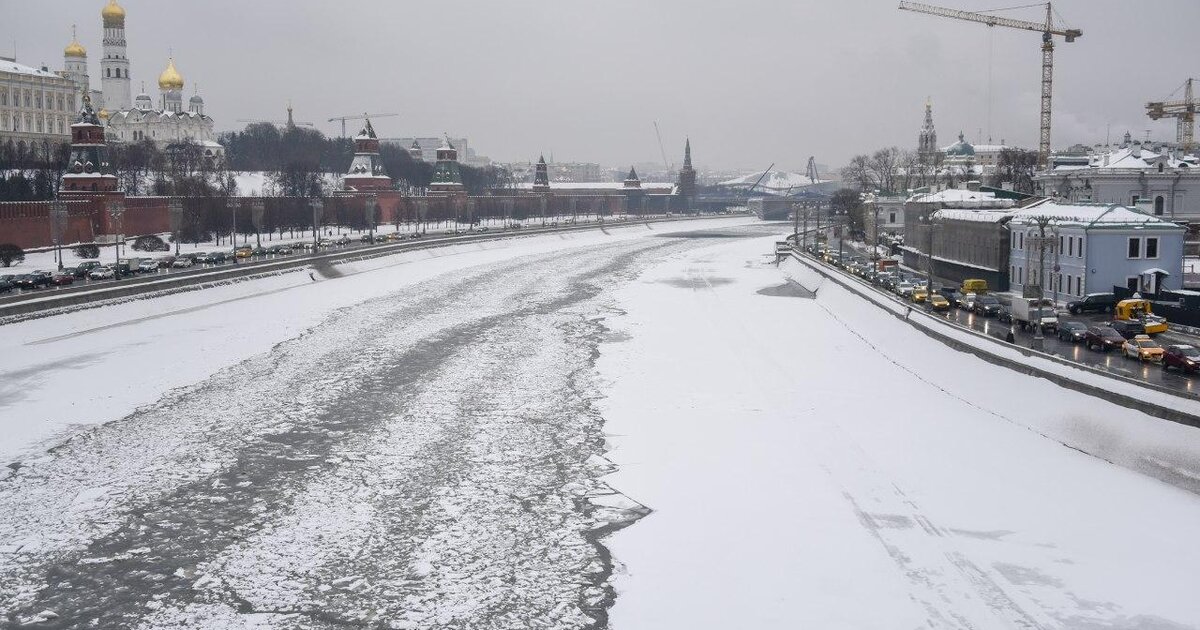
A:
752	82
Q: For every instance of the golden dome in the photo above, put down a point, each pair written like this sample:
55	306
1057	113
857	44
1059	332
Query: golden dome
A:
74	49
170	79
103	115
112	13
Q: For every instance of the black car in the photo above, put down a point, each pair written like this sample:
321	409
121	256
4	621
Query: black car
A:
212	258
81	270
1128	329
1093	303
1072	331
1004	315
1103	338
7	284
35	280
987	306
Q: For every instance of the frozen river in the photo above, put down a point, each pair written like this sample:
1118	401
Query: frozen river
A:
466	438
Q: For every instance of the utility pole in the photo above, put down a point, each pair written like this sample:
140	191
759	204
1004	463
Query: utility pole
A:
1038	339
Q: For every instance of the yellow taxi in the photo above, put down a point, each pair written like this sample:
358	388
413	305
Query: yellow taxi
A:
938	302
919	295
243	252
1143	348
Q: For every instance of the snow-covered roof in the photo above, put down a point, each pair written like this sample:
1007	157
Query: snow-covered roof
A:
1131	157
779	181
1091	215
964	214
20	68
963	198
596	185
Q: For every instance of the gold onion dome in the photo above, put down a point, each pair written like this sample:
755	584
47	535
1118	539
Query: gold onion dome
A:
170	79
103	115
113	13
75	49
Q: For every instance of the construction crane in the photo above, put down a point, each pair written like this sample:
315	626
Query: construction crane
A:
812	174
1047	29
660	146
1184	110
290	122
357	117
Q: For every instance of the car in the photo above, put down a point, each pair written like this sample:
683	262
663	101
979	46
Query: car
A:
967	301
182	262
259	252
1102	338
1182	357
165	262
1072	331
103	272
416	235
62	278
342	240
82	269
7	283
939	302
1143	348
905	289
34	280
243	252
1004	316
306	246
919	295
367	238
986	305
1093	303
279	250
212	258
148	266
1127	329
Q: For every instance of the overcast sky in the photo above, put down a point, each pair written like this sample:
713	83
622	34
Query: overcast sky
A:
750	81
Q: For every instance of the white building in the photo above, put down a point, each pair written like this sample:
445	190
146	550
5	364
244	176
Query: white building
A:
37	107
167	123
1128	175
1090	248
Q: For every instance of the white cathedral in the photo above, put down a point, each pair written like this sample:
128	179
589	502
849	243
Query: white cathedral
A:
136	119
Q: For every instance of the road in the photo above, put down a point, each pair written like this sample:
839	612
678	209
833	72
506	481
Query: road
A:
421	459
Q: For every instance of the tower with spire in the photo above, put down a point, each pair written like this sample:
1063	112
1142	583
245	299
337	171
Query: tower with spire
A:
366	170
541	176
114	67
687	178
414	151
447	177
88	170
75	68
927	146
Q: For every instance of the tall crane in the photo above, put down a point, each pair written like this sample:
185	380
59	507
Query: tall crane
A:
813	175
290	122
660	147
1184	110
1047	29
357	117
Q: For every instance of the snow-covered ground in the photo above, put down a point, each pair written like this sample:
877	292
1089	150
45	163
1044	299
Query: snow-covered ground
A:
818	463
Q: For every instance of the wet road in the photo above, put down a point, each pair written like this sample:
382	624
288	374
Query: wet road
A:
423	460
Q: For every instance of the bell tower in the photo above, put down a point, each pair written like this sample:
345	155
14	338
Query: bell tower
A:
114	67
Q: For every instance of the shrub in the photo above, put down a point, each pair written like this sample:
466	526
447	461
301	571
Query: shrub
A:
87	250
10	254
150	243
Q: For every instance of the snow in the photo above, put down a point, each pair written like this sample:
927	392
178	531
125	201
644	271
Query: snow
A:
775	181
983	216
820	463
1090	215
963	198
646	186
19	68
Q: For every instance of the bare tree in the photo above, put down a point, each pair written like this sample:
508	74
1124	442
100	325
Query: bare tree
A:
883	166
858	172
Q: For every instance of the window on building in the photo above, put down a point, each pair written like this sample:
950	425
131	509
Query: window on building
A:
1020	240
1060	244
28	98
1020	275
1135	248
1079	285
108	72
37	100
1131	283
1081	247
1159	202
891	217
41	124
1134	199
1070	282
1152	247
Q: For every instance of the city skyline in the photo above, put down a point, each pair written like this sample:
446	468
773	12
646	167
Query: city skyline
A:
769	99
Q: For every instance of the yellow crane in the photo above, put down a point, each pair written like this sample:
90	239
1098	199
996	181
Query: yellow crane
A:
1184	110
1047	29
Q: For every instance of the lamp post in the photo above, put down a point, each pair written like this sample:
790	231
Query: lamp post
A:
116	210
58	211
931	224
175	212
371	205
1040	240
257	210
318	206
233	205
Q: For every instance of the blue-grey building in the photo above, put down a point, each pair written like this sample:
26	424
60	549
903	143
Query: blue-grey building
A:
1090	248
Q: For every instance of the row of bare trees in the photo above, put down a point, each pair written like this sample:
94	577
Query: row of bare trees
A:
894	170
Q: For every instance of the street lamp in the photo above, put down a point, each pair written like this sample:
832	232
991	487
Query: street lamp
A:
372	204
318	207
116	210
175	209
58	211
930	222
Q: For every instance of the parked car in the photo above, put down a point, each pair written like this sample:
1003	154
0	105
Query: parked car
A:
165	262
1093	303
148	266
243	252
342	240
986	305
1072	331
938	302
1143	348
82	269
1103	338
34	280
62	278
182	262
212	258
1182	357
280	250
1128	329
259	252
7	284
103	272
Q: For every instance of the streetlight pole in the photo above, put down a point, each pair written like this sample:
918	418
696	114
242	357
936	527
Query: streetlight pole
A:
318	207
1038	339
175	208
57	212
372	204
116	210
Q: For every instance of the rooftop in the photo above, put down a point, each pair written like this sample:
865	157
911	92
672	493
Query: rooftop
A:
8	65
1090	215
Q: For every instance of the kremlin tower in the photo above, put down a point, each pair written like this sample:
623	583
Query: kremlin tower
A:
366	169
447	178
541	177
88	169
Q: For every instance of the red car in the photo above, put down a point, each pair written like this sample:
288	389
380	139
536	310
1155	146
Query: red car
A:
1182	357
62	278
1103	338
